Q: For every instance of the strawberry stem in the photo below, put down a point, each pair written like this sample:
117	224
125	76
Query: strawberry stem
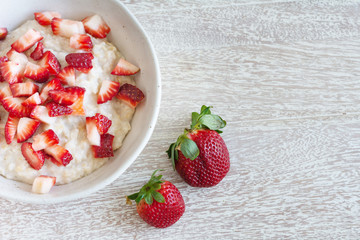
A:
149	191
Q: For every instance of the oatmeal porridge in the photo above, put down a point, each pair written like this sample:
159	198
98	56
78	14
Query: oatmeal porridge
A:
82	98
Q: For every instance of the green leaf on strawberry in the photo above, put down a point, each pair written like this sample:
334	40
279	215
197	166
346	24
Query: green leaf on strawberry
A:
205	109
189	149
149	191
172	153
212	122
206	120
158	197
194	119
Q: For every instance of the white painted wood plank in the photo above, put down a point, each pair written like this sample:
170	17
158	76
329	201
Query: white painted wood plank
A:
223	26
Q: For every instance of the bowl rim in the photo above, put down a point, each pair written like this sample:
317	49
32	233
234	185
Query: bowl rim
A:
42	199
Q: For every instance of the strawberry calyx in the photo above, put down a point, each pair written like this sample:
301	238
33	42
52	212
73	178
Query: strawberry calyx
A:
149	191
206	120
203	120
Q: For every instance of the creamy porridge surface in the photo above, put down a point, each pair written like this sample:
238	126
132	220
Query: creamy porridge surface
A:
71	130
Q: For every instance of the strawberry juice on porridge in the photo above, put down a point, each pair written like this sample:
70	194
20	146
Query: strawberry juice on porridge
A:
67	98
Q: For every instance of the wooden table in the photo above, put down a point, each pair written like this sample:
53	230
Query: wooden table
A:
286	77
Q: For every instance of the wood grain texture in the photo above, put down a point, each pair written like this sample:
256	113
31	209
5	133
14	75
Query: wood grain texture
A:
286	77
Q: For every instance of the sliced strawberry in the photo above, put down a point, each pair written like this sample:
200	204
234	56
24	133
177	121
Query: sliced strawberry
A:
3	59
50	62
107	91
44	18
80	61
41	113
32	101
14	106
130	94
53	84
60	154
92	133
38	52
12	72
26	128
105	149
27	40
56	110
96	26
5	92
19	58
23	89
67	76
81	41
52	159
35	159
71	96
10	128
67	96
124	68
102	123
43	184
3	33
66	28
36	72
45	139
18	70
77	107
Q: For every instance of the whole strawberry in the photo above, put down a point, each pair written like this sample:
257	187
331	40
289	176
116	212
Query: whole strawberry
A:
168	206
200	155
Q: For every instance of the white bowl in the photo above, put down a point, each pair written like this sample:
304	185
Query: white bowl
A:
127	34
